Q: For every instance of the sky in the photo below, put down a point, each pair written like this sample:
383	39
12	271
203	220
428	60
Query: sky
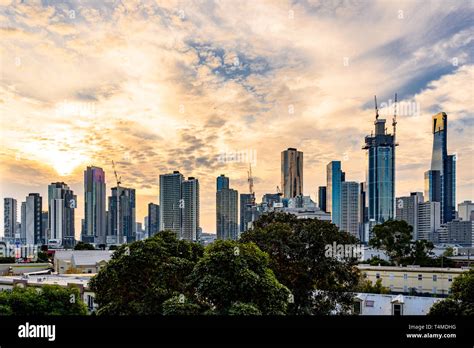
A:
159	86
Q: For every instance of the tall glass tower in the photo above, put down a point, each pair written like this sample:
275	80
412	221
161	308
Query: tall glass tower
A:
333	191
440	180
381	172
95	222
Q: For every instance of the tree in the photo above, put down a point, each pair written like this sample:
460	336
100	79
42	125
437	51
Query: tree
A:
449	252
420	253
7	259
42	257
84	246
394	237
142	275
179	305
377	261
461	299
47	300
297	248
234	278
368	287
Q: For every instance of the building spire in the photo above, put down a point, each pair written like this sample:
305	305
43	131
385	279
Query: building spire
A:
376	108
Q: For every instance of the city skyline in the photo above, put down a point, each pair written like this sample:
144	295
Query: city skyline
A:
103	84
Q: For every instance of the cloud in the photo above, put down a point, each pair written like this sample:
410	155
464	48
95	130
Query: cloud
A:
169	85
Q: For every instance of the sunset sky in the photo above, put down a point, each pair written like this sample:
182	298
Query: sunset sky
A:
159	86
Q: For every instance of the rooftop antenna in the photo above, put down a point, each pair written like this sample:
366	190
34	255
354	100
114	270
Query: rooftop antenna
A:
394	121
376	108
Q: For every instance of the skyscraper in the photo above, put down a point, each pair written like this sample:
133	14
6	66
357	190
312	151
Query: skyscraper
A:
127	214
292	172
61	205
381	171
363	214
428	220
170	202
442	186
153	218
226	210
350	207
333	191
32	226
322	197
190	210
407	210
94	206
9	217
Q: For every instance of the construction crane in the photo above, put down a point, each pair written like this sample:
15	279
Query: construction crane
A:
119	181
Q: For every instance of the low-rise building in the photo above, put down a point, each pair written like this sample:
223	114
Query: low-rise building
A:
80	261
413	279
389	304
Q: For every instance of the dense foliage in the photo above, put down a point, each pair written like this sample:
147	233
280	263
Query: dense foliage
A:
297	251
142	275
84	246
47	300
461	299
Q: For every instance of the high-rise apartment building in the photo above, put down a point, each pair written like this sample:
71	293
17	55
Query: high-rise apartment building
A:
31	222
9	218
171	203
292	173
126	216
153	225
407	210
248	211
190	210
95	225
226	210
350	207
322	198
61	205
428	220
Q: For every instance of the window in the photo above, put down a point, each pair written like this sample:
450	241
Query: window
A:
450	278
420	276
434	290
90	302
435	277
391	276
369	303
357	307
397	309
405	288
377	275
405	276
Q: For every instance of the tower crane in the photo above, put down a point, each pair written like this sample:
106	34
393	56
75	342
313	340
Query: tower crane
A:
118	179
